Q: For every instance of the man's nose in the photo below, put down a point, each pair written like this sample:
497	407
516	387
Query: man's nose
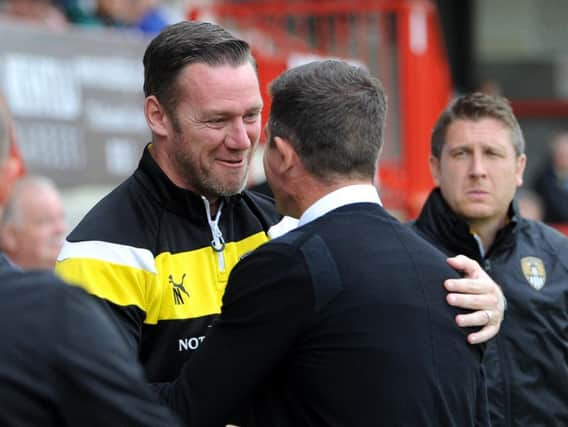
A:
238	138
477	166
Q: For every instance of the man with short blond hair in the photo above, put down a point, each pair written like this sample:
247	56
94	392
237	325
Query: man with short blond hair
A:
477	161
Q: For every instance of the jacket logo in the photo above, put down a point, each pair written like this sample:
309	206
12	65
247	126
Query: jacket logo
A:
177	289
533	269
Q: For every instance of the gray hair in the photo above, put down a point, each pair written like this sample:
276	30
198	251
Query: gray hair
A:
11	213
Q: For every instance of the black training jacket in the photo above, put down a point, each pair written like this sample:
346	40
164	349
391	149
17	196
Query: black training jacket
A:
527	362
146	250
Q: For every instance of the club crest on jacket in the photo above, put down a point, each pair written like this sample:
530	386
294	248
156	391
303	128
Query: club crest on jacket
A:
534	272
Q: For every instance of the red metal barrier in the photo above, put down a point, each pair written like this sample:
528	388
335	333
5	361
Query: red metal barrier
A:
563	228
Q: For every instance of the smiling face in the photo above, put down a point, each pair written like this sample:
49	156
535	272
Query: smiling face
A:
215	126
478	171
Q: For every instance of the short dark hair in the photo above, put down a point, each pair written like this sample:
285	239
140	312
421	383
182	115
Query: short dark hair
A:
476	106
333	114
185	43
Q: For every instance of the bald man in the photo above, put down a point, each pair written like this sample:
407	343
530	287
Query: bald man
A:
32	227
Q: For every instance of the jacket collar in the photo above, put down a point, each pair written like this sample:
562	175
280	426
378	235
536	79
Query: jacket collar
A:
440	224
170	196
5	263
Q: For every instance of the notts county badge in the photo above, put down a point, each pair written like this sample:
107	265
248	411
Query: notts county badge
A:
533	269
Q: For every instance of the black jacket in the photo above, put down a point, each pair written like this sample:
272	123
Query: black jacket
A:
145	250
62	362
527	363
341	322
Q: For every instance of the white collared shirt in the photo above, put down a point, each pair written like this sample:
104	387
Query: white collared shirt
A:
361	193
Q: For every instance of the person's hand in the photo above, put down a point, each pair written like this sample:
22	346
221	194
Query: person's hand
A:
478	292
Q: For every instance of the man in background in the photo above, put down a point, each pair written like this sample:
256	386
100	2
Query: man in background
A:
477	161
551	183
530	204
38	12
32	225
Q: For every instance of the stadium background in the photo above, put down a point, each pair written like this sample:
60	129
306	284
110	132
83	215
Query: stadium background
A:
76	97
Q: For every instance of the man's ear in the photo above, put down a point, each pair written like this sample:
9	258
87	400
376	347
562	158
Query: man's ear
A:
156	116
288	156
521	162
435	169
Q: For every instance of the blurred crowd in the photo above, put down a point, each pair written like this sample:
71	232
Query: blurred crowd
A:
146	16
551	183
545	197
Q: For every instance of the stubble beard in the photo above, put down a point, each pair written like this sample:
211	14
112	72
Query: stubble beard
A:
204	182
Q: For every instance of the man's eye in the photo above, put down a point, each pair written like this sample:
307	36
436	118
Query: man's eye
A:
251	118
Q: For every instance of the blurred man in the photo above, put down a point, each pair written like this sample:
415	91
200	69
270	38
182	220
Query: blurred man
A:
32	227
342	321
552	181
529	204
38	12
158	250
477	161
62	362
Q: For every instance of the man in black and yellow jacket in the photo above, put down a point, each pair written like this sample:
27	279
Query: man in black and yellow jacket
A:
148	250
159	248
